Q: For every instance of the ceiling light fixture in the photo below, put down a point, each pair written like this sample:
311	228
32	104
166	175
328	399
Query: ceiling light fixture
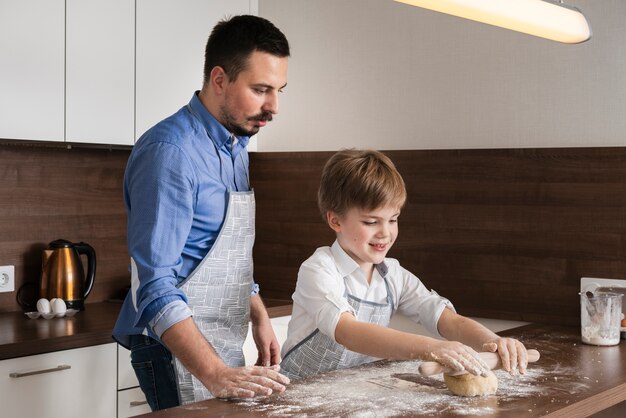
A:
543	18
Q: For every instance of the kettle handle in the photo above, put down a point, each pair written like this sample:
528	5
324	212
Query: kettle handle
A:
84	248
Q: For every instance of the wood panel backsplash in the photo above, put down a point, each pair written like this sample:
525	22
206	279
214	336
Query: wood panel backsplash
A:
502	233
48	191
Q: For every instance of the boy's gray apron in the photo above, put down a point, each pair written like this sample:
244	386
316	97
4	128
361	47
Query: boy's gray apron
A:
218	293
318	353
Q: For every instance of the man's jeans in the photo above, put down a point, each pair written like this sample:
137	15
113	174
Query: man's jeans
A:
154	368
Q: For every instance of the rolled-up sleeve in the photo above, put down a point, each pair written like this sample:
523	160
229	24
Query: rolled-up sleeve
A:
420	304
169	315
160	193
320	292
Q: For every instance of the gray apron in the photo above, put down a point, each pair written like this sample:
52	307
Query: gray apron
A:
319	353
218	292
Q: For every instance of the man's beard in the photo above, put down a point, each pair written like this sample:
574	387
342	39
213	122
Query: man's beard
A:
238	130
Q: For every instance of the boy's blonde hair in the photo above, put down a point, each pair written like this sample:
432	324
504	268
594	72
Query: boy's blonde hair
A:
365	179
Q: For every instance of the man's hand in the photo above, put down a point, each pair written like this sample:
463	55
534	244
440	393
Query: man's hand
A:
266	344
263	334
247	382
186	342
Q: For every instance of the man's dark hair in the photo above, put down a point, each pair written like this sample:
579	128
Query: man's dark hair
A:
233	40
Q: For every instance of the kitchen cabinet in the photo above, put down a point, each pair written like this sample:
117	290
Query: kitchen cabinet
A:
32	42
67	70
130	399
171	38
70	383
101	71
131	402
100	79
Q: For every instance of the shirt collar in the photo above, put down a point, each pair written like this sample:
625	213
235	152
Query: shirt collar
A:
217	132
347	265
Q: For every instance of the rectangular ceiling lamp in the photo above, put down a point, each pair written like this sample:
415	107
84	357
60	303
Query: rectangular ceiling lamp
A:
542	18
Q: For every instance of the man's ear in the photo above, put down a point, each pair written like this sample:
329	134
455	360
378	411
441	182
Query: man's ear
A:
333	221
218	79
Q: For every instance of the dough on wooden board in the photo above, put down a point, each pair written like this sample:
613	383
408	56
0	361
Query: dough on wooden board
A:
471	385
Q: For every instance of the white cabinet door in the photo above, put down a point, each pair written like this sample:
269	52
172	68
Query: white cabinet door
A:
130	399
100	89
72	383
32	37
126	377
131	402
171	38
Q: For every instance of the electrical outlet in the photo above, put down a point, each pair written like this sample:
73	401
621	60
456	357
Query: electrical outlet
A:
7	278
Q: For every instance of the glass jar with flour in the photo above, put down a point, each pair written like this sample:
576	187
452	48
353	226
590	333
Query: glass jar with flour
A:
600	316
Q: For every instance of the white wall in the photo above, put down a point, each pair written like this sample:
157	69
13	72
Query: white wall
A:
381	74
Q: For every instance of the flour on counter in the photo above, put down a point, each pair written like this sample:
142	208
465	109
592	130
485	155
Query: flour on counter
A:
352	393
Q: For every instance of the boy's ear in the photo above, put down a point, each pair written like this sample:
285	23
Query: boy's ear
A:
333	221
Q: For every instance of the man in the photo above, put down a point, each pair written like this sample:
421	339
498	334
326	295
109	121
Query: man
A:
191	230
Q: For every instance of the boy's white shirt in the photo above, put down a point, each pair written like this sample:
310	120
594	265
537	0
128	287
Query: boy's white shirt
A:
319	299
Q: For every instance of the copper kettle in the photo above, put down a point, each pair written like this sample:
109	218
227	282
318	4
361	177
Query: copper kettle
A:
62	273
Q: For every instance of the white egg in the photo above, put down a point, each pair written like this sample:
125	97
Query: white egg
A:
43	306
58	307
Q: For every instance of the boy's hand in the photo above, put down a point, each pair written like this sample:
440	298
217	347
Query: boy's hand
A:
512	353
458	357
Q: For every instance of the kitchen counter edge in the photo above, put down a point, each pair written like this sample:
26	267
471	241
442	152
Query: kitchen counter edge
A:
21	336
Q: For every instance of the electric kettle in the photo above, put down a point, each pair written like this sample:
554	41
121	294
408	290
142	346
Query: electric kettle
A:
62	273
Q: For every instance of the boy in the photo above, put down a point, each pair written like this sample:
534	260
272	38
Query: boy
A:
346	294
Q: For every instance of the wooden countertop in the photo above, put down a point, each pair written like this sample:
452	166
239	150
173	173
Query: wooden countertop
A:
21	336
570	380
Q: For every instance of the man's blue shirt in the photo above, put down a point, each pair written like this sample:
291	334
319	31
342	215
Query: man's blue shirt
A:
176	188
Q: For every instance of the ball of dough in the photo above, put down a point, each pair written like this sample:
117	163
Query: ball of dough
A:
471	385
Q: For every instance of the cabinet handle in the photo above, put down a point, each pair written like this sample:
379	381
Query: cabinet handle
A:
138	403
54	369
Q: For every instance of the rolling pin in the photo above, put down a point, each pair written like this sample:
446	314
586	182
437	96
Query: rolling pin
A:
429	368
